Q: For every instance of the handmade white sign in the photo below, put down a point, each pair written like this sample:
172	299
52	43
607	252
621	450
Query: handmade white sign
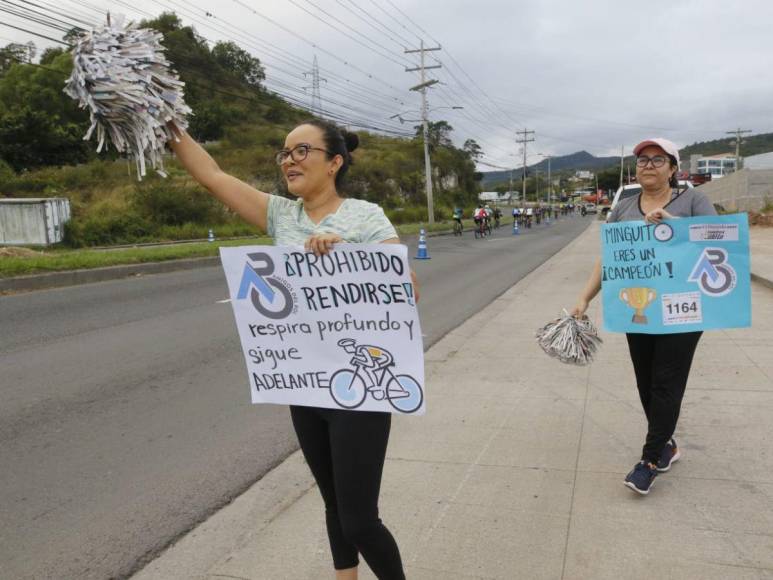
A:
339	330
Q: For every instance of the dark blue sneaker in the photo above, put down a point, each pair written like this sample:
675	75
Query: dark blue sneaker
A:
670	455
641	477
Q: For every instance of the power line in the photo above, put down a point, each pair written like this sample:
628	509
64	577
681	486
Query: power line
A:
313	44
302	61
354	122
372	22
350	28
33	33
356	98
55	12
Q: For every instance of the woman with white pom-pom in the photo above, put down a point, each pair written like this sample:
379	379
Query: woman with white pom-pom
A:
661	362
344	449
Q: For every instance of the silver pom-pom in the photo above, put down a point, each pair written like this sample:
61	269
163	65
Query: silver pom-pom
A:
121	75
571	340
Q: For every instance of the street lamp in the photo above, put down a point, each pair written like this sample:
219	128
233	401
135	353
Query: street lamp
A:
425	131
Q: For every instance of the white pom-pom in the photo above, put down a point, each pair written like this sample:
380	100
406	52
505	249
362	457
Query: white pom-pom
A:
569	339
121	75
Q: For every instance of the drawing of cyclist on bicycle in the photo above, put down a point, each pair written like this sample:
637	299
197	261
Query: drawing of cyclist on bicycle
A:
373	375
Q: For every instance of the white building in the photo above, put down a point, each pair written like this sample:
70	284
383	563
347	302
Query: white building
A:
496	197
715	165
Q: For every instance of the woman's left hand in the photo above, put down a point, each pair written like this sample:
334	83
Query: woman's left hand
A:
322	243
657	215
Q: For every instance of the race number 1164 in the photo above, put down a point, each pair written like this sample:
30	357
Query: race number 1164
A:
682	308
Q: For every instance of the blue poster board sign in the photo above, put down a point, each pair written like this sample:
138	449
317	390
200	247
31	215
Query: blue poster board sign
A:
681	275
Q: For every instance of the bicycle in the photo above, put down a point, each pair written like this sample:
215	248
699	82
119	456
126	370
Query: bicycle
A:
349	389
480	229
458	229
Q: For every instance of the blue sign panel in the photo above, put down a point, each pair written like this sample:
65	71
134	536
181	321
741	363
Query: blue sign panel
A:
680	275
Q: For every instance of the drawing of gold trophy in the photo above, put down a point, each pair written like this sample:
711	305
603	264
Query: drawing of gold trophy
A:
638	299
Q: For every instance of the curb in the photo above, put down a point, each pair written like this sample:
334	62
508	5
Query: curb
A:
91	275
762	281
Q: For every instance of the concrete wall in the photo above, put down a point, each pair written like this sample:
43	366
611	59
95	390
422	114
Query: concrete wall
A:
745	190
34	221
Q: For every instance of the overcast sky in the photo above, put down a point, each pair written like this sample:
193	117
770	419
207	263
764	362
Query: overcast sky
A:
591	74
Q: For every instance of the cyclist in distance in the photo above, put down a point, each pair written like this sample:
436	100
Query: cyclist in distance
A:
480	218
458	214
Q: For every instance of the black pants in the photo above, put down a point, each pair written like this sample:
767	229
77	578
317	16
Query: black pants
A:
345	451
662	364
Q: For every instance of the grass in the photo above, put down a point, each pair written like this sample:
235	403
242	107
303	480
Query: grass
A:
59	260
62	260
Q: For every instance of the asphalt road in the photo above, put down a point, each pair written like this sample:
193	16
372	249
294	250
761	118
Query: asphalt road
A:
125	418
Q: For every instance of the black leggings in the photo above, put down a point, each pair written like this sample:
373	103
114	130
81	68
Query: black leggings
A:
345	451
662	364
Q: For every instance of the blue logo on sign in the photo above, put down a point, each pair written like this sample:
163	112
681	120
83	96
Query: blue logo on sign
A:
714	275
259	285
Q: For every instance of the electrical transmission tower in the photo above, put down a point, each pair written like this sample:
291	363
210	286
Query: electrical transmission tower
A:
316	97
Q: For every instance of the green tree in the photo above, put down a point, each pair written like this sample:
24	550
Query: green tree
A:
472	149
31	138
439	134
50	54
11	54
240	63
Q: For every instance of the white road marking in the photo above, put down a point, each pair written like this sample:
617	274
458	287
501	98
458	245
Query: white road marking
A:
223	301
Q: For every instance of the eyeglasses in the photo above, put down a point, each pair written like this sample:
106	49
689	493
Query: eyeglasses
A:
297	153
657	161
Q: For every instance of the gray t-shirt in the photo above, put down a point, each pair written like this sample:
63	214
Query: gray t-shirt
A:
356	221
687	203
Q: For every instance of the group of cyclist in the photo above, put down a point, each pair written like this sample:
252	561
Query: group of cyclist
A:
487	218
484	216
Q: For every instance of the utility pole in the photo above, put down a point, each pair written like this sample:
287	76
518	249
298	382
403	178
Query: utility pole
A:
738	142
423	86
316	96
622	161
523	141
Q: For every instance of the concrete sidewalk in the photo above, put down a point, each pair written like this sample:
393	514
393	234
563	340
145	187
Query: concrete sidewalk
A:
516	472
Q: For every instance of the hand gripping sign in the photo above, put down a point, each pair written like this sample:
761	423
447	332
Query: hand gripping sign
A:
681	275
338	331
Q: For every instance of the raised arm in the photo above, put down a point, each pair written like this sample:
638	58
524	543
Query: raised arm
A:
250	203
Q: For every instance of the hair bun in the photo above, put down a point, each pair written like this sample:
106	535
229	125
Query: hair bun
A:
352	141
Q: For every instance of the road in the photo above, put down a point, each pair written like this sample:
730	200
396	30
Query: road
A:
125	418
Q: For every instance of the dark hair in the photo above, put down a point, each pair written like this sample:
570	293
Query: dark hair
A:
338	142
673	180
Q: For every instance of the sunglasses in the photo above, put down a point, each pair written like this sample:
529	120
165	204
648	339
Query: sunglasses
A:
297	153
657	161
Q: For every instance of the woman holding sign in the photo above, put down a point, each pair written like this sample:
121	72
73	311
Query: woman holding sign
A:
344	449
661	362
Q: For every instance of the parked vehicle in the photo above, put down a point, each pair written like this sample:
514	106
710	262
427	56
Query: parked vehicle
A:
634	189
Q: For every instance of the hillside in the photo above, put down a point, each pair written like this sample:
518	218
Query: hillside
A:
42	153
582	160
